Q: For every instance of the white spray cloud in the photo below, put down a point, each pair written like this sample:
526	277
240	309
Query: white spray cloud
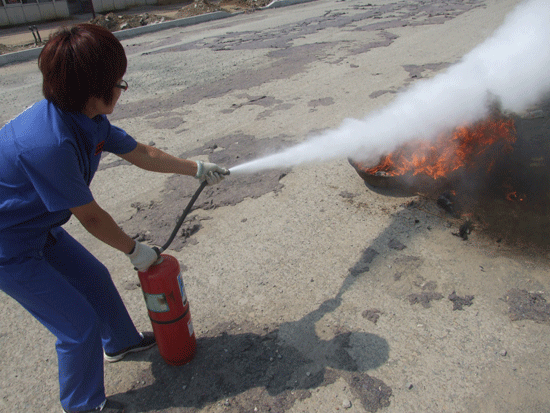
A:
513	65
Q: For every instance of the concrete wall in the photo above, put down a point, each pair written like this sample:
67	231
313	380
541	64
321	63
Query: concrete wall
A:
18	13
14	14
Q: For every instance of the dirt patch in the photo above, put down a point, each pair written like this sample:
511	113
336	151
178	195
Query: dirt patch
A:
11	49
424	298
460	302
373	393
230	6
527	306
154	221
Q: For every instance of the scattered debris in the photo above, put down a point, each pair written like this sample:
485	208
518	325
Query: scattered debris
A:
464	230
527	306
372	314
115	22
231	6
199	7
446	201
424	298
460	302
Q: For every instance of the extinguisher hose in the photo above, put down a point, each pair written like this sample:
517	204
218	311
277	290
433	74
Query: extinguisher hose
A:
182	218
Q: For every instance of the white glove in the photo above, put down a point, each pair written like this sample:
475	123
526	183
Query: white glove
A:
142	257
210	172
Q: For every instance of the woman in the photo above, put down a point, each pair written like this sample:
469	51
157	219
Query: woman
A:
49	155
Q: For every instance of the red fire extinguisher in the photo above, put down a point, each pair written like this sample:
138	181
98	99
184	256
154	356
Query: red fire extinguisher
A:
168	308
167	303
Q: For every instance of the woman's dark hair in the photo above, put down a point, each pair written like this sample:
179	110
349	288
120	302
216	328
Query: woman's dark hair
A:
81	62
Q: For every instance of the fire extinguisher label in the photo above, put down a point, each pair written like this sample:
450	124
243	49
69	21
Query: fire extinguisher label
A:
156	302
190	328
182	290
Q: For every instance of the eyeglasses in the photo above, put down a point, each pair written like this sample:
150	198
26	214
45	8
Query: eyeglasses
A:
122	85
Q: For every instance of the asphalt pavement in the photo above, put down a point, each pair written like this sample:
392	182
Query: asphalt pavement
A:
309	291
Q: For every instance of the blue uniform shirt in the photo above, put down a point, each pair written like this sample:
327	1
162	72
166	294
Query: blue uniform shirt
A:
48	158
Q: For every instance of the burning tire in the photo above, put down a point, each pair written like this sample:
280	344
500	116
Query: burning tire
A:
467	153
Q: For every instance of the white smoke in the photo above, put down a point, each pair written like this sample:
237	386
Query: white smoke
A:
512	66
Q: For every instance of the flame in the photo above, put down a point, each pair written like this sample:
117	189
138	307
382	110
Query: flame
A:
514	196
463	147
511	194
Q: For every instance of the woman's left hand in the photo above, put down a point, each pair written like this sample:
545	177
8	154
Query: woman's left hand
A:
142	257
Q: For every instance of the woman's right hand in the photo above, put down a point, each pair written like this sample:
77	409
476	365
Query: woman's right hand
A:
210	172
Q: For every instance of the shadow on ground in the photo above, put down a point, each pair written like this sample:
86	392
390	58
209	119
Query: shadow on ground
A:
244	368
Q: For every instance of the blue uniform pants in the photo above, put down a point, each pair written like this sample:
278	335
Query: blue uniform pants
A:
72	294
